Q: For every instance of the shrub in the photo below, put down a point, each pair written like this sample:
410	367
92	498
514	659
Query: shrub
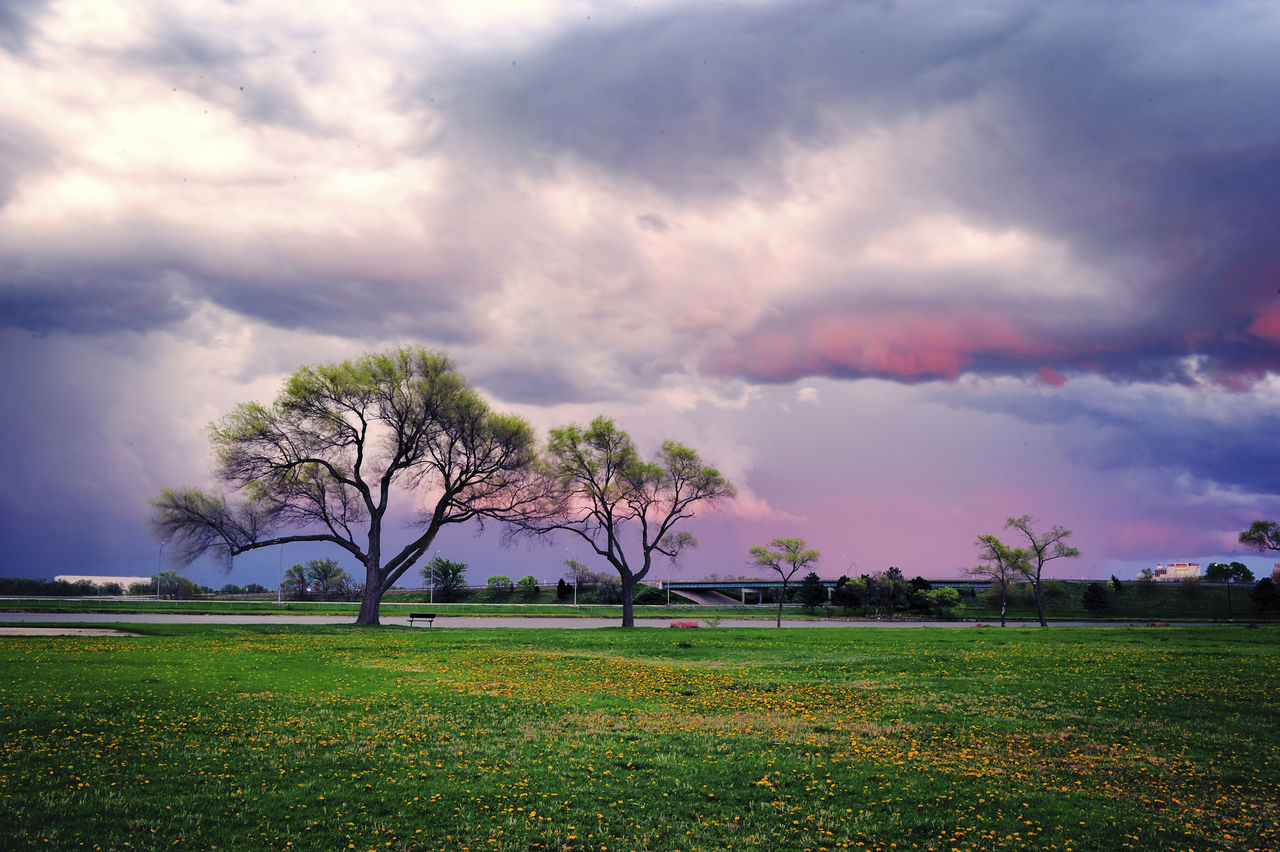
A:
1096	599
528	587
499	587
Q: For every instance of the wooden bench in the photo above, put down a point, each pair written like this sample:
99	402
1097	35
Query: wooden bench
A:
428	617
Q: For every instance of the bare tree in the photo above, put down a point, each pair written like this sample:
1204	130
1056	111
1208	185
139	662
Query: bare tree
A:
1040	549
596	486
786	556
340	443
1003	564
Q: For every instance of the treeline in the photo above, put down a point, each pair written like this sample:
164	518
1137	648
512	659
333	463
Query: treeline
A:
166	584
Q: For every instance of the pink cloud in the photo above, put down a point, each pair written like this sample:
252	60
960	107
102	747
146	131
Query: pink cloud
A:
1052	377
895	344
1267	326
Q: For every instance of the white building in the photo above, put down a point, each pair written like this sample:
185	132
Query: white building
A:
1176	571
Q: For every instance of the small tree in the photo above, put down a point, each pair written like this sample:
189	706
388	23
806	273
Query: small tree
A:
595	485
1041	549
562	590
1003	564
328	580
1116	585
942	603
786	557
294	586
812	591
499	586
528	585
447	578
1096	599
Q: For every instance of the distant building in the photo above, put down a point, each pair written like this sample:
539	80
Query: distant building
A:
1176	571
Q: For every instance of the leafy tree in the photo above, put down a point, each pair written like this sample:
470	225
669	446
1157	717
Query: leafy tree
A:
812	592
842	594
1096	599
231	589
786	557
596	486
1265	596
941	603
1116	585
140	589
1003	564
528	585
1262	536
340	443
447	577
1040	549
294	585
174	586
562	590
499	586
110	588
256	589
891	590
327	580
1221	572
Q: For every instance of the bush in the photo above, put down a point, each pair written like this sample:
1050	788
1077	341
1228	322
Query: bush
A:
1265	596
528	587
1096	599
499	587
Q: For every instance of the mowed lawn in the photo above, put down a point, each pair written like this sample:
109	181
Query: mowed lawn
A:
264	737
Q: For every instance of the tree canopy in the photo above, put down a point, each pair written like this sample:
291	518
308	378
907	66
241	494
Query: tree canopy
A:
1262	536
342	443
1040	549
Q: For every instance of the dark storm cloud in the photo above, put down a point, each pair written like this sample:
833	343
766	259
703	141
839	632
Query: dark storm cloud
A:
16	19
1218	437
1142	136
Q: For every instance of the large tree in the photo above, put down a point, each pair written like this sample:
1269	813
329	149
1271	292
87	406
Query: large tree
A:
339	445
596	486
1040	549
785	557
1262	536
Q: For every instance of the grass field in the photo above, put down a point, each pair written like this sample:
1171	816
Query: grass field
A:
278	737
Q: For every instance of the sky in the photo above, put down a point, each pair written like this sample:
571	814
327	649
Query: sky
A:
901	270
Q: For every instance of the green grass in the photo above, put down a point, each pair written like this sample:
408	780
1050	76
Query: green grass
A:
276	737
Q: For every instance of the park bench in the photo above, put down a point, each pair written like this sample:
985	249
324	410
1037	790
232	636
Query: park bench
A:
428	617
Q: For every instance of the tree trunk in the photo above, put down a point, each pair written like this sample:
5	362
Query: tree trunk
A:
782	595
628	605
1004	601
1040	605
371	600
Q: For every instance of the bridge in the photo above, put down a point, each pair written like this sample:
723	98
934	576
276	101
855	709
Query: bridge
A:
724	592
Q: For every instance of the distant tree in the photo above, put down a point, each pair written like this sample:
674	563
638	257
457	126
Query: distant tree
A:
339	445
174	586
231	589
141	589
892	590
1116	585
1148	574
256	589
528	585
842	594
786	557
562	590
327	580
110	588
812	592
1262	536
941	603
1003	564
294	585
1095	598
1265	596
446	577
1221	572
499	586
596	486
1041	548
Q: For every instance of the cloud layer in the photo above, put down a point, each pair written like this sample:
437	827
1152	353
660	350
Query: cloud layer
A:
1033	235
